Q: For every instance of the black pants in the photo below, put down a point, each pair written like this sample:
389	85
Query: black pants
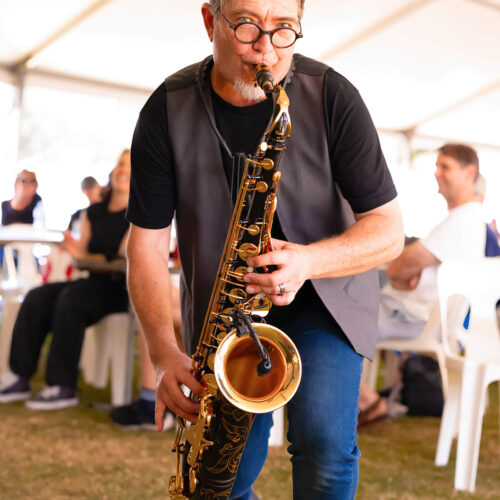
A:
65	309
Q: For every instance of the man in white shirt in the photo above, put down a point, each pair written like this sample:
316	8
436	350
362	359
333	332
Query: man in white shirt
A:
410	295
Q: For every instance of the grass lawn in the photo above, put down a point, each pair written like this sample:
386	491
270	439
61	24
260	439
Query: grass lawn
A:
78	453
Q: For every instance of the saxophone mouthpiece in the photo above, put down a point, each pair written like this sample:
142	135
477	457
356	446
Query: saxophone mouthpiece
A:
264	78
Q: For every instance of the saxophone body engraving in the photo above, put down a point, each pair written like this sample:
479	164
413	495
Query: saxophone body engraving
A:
208	452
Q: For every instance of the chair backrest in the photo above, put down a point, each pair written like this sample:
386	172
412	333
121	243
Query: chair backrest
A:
479	282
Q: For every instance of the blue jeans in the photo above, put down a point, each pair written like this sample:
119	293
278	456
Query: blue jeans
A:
322	415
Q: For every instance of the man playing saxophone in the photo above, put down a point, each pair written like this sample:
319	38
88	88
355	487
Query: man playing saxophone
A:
337	218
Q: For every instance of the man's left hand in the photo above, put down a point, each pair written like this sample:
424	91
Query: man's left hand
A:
293	262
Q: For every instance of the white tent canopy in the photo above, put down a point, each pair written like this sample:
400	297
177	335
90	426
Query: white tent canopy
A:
424	67
428	70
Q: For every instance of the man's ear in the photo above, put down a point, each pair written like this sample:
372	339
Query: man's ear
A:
208	19
472	172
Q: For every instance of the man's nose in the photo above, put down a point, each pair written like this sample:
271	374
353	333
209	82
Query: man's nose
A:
264	45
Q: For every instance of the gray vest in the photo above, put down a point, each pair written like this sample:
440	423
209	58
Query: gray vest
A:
310	205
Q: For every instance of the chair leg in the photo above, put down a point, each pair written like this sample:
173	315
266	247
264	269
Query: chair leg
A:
391	369
449	419
443	371
102	354
10	308
121	337
276	437
470	424
370	370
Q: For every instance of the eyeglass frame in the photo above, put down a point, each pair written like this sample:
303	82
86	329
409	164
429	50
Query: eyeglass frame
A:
263	32
26	181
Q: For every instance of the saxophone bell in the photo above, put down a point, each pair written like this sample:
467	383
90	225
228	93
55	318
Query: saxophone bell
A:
235	371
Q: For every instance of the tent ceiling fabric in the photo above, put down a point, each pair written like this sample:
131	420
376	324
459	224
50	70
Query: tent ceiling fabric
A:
430	67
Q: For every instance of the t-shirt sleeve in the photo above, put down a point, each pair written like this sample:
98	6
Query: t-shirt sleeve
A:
358	164
152	181
461	235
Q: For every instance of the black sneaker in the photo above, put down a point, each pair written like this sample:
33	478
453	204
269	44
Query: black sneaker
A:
129	417
53	397
14	388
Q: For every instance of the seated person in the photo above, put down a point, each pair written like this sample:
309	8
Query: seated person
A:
92	190
411	293
26	205
68	307
140	415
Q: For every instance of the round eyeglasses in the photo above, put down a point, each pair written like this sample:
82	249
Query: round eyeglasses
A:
247	32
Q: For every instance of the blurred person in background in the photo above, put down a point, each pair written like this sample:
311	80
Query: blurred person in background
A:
92	190
140	414
411	292
26	205
67	308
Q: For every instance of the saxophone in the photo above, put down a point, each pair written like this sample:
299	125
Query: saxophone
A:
248	366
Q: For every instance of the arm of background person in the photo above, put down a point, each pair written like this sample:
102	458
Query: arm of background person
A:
404	272
376	237
148	281
78	248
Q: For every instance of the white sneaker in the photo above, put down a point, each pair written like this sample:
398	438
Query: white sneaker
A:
54	397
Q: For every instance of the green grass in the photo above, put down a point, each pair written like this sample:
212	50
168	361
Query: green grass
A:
78	453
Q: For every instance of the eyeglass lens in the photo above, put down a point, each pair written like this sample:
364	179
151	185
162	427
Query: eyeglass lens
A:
249	33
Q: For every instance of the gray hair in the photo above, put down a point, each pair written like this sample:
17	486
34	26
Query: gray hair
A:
217	5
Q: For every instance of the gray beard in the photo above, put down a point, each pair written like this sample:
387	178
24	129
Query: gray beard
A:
249	92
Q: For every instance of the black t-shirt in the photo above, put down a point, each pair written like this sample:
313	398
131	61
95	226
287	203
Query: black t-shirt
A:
153	191
152	188
25	216
107	228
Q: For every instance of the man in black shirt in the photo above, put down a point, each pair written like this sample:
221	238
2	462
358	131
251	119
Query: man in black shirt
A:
337	219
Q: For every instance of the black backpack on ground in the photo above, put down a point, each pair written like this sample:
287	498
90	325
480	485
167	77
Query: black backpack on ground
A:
422	389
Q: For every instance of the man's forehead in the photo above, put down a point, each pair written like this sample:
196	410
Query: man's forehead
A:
281	9
443	159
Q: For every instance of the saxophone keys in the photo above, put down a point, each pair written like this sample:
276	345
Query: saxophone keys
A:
253	229
240	272
267	163
212	386
261	187
236	295
248	250
210	363
193	480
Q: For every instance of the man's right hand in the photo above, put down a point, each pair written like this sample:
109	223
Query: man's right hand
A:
175	370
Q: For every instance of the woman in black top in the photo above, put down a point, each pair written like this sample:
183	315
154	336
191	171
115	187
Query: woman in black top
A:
67	308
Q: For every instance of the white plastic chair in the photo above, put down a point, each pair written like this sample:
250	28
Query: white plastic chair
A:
19	279
428	342
108	349
472	360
